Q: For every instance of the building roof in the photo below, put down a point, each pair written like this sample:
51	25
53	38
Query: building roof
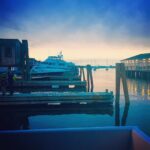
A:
140	56
9	41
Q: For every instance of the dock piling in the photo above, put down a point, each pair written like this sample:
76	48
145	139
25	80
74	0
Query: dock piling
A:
90	85
117	83
91	79
83	74
88	78
121	75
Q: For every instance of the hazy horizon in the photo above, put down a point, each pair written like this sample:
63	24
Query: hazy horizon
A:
81	29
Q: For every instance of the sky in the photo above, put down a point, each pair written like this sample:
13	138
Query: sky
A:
81	29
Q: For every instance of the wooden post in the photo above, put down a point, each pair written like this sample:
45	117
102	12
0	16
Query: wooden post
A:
120	74
26	70
88	78
117	83
124	82
80	73
125	114
83	75
117	114
91	78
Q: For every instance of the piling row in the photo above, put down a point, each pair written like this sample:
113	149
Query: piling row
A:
145	75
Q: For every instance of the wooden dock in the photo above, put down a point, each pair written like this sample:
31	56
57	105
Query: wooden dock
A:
55	78
32	86
138	67
57	98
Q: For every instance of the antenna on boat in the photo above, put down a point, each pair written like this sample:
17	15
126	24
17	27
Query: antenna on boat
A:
60	55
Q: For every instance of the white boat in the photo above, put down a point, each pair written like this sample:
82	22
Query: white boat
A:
54	65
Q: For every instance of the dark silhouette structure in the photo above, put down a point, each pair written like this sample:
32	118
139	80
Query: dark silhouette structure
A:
14	53
138	66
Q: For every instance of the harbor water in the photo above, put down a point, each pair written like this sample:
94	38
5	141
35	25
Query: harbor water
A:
135	114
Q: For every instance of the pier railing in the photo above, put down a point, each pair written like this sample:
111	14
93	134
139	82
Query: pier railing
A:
137	65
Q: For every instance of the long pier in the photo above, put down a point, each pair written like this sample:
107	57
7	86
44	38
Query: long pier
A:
32	86
138	66
97	66
57	98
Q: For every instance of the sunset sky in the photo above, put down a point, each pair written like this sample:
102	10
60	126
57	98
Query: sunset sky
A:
81	29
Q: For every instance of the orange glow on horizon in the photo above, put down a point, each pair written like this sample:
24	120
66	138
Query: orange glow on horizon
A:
85	50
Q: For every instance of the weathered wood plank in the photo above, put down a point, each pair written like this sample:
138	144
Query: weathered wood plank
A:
57	98
48	83
57	78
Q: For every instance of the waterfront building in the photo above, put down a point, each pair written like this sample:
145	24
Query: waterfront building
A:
138	66
14	53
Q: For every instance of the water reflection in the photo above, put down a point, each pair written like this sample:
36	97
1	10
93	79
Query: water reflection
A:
13	120
139	88
106	80
125	114
118	116
18	118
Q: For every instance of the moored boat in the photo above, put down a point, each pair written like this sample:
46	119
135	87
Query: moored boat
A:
54	65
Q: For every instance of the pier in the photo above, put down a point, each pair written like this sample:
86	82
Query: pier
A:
32	86
70	90
57	98
138	67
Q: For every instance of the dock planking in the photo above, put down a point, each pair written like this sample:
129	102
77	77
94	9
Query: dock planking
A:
55	78
48	83
33	86
57	98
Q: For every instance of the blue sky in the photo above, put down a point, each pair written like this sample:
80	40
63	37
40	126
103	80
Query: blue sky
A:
101	29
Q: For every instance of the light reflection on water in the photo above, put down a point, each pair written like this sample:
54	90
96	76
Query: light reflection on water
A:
136	114
139	88
106	80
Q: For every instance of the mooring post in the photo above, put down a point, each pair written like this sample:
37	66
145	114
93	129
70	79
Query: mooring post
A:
124	82
117	114
88	78
117	107
117	83
25	52
79	73
125	114
120	74
91	78
83	74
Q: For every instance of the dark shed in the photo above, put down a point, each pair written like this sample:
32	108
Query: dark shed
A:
10	52
14	53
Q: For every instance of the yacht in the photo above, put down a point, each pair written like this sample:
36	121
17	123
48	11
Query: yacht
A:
54	65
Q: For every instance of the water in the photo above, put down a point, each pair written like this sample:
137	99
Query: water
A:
136	114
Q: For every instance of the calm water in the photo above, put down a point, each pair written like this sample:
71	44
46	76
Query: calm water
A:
136	114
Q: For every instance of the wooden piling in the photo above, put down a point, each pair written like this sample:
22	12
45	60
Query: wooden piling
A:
83	74
117	114
25	61
124	82
125	114
90	85
117	83
121	75
91	79
80	70
88	79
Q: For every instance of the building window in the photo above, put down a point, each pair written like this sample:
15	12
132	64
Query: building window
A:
8	52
